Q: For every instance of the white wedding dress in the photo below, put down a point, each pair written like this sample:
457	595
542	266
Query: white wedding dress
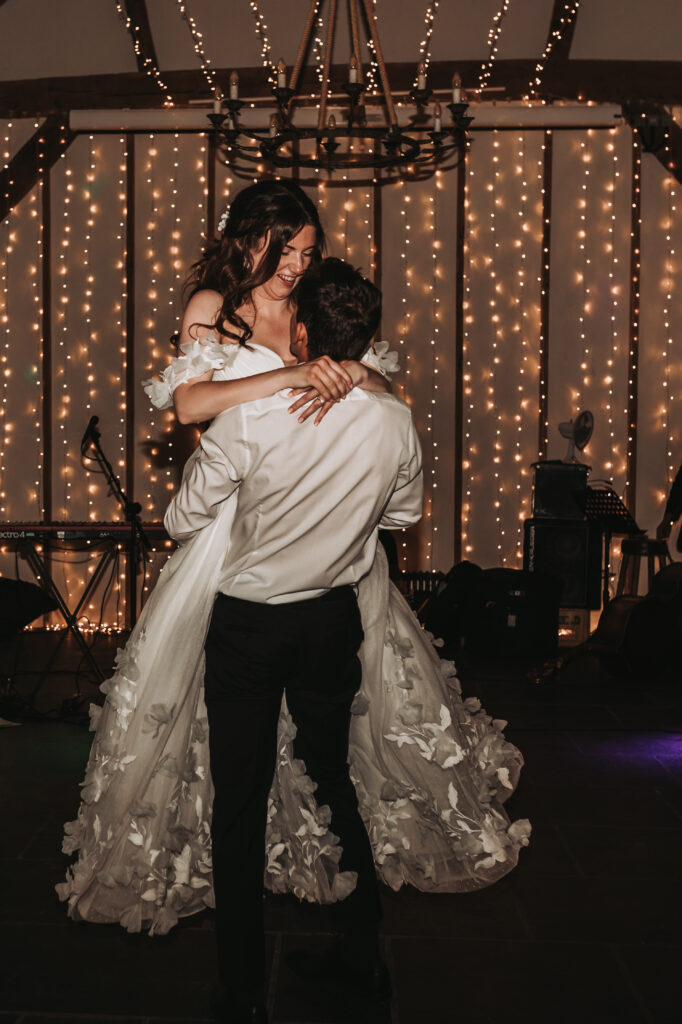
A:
431	770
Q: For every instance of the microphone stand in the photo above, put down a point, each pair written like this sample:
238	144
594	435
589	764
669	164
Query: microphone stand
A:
138	544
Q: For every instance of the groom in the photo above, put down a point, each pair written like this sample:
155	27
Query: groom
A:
310	501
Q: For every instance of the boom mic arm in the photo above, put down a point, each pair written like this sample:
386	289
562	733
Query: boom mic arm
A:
91	434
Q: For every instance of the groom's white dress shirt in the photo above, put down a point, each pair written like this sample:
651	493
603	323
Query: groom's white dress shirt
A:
310	498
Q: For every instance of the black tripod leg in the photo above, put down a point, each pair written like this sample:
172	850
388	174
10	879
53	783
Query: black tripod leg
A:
43	577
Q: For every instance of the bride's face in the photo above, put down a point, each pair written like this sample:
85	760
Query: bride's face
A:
295	260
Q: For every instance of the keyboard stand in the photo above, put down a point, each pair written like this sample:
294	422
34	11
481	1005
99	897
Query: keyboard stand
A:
41	573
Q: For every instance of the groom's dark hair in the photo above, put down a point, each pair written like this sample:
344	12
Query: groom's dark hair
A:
340	308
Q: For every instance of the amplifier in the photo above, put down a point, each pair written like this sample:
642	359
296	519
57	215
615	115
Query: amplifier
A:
569	550
559	490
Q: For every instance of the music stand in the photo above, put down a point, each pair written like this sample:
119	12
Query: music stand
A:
602	505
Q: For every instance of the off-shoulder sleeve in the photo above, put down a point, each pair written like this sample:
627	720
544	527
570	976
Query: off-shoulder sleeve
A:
381	358
197	357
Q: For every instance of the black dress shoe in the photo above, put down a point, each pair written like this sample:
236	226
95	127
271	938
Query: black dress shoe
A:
228	1010
332	965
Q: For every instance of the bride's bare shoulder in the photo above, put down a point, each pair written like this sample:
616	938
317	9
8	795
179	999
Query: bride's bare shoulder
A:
201	314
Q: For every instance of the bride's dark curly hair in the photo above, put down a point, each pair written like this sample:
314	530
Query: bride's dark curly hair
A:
269	210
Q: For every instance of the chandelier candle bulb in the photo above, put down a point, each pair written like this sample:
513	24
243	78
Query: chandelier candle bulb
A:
234	86
437	119
456	88
331	123
281	74
353	70
421	75
217	103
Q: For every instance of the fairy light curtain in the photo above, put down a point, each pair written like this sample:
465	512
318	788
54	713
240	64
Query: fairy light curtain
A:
660	365
417	275
21	441
590	292
414	257
502	280
171	174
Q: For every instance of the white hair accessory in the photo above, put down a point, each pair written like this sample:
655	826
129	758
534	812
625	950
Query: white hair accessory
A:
223	220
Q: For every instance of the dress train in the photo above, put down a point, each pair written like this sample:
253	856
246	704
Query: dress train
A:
431	770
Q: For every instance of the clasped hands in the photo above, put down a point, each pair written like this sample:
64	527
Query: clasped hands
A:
321	383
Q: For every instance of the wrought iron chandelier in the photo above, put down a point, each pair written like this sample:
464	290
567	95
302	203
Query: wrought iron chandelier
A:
390	149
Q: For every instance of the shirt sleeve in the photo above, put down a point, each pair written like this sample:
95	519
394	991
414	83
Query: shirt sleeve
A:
215	473
405	504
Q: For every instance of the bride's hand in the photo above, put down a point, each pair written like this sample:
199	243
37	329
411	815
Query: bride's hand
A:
311	402
331	380
322	383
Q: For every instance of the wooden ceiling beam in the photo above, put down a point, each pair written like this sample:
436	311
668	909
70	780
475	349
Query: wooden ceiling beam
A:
35	158
658	134
141	34
611	81
559	54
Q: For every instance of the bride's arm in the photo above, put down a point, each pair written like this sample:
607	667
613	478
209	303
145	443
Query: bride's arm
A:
199	398
368	378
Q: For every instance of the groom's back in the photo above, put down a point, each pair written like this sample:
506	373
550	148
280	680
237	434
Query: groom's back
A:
311	497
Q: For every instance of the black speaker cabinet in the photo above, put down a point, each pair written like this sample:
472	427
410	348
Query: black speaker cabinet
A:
559	490
570	550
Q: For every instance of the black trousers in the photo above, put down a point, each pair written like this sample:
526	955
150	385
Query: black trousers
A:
254	652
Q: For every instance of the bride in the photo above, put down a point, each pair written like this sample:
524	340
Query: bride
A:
431	770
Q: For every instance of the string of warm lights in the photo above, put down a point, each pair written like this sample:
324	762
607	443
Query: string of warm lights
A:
6	251
633	347
64	354
670	187
566	17
85	628
469	262
493	43
149	66
89	335
497	338
406	325
544	175
348	206
154	353
318	47
585	307
36	495
373	69
262	33
198	44
521	328
7	148
405	322
178	265
425	44
614	319
64	455
122	334
436	275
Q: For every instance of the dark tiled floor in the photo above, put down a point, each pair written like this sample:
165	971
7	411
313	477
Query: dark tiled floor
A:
585	930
